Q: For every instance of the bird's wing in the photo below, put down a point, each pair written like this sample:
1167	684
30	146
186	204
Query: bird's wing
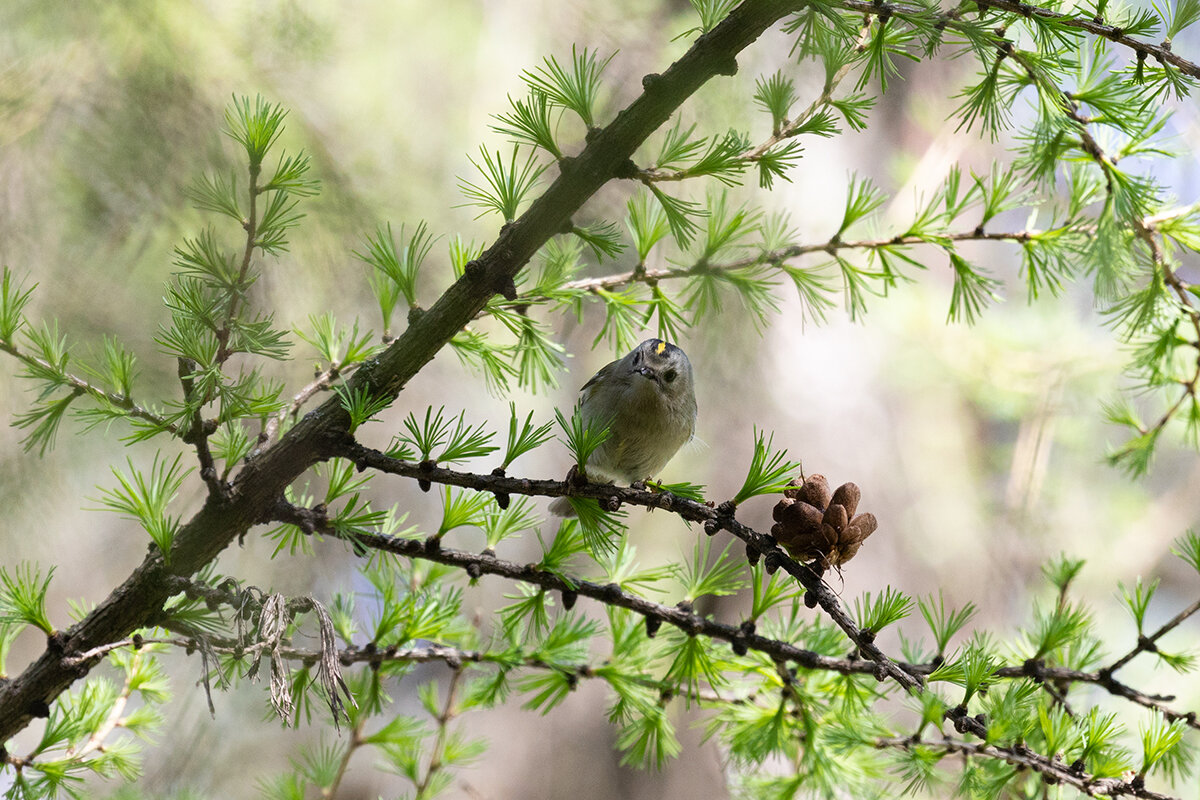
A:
604	372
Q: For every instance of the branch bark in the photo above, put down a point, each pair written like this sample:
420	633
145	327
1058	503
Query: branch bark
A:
138	601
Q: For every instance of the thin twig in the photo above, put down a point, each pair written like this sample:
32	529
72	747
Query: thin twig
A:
1148	643
1018	755
1162	53
83	386
617	280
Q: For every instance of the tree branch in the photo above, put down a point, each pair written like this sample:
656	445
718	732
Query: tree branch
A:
1018	755
617	280
139	599
1162	53
713	519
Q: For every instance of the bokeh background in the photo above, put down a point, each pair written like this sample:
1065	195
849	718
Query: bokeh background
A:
980	449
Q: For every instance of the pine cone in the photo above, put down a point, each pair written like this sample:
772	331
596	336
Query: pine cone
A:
812	524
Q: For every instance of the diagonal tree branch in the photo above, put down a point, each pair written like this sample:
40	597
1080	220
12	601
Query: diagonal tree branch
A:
139	599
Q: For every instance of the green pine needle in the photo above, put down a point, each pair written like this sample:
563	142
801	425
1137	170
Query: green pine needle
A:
944	623
360	405
505	186
581	438
145	497
575	88
876	613
461	508
1187	547
254	125
23	597
770	470
523	440
465	442
529	123
429	434
722	577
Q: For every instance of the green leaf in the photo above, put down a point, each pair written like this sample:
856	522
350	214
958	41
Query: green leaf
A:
145	498
680	216
1178	16
647	223
770	470
500	524
1056	629
777	95
722	577
769	590
601	530
974	670
944	623
973	289
1162	748
217	195
863	198
876	613
711	13
400	267
12	306
575	88
1138	600
678	146
529	123
1187	547
290	177
777	162
603	238
648	739
505	187
1061	571
524	440
582	438
462	508
693	663
685	489
255	126
429	434
360	405
23	600
465	442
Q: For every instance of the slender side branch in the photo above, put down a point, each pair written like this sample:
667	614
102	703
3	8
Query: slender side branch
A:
83	386
1018	755
321	382
617	280
611	594
1147	644
1162	53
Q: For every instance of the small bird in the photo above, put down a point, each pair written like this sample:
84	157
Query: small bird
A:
647	400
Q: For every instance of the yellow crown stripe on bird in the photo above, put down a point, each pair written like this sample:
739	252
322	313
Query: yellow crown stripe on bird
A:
662	346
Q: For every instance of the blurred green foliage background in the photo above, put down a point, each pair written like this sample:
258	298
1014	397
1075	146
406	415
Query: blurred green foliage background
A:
981	450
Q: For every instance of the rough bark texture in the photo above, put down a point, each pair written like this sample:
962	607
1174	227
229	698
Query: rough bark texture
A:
138	601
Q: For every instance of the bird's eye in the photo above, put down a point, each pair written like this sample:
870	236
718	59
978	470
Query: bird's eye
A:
669	375
637	357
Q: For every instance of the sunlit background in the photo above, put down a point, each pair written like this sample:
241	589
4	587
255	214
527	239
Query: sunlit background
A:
980	449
